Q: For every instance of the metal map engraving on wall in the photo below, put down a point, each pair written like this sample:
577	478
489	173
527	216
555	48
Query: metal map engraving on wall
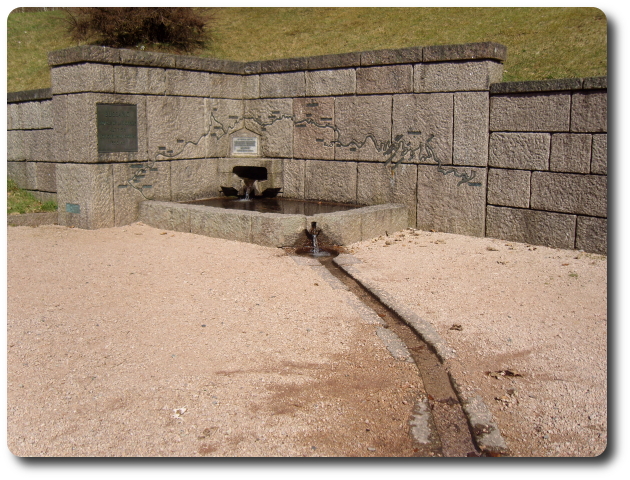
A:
394	152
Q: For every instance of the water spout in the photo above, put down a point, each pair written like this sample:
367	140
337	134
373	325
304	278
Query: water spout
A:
314	232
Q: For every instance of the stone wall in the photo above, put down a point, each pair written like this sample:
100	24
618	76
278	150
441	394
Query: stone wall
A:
427	127
547	163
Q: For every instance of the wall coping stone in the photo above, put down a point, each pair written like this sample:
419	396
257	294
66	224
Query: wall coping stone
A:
438	53
562	84
29	95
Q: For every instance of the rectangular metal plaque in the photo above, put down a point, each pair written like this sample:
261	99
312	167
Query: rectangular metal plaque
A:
73	208
117	127
244	145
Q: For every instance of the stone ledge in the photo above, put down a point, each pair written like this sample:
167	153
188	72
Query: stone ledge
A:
29	95
468	51
558	85
32	219
439	53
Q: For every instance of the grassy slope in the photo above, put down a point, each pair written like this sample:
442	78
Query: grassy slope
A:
542	42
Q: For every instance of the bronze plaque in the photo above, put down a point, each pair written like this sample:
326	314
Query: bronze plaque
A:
117	127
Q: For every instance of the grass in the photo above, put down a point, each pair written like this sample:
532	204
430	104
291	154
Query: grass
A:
543	43
21	201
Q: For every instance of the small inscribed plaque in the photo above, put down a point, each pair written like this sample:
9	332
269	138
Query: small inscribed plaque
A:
73	208
117	127
244	145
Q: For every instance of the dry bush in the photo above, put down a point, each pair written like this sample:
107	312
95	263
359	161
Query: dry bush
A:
178	28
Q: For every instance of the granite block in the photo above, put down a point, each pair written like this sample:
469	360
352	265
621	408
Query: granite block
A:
570	153
554	230
384	79
508	188
321	83
470	128
535	112
589	112
524	151
569	193
314	124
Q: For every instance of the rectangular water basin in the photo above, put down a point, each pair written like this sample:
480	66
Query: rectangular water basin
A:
274	229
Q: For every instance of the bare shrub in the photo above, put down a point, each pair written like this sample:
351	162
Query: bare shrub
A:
177	28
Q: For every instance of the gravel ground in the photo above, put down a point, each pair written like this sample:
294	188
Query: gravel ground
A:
528	324
135	341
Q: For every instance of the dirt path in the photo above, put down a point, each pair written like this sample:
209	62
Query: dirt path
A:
135	341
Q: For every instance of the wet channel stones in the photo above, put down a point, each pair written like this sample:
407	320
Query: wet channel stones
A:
449	420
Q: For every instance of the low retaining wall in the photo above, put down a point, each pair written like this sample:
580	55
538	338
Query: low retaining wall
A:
274	229
427	127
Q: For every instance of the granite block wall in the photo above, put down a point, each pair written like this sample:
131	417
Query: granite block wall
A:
428	127
547	177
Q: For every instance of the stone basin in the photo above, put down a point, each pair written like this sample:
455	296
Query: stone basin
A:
274	229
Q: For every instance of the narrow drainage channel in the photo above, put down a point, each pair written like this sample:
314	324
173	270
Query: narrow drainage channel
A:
448	419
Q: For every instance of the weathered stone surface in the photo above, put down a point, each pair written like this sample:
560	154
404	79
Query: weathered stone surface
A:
281	85
331	181
338	228
364	127
75	135
569	193
595	83
17	171
418	117
194	179
379	184
224	118
283	65
470	128
140	80
313	133
540	112
445	206
45	176
276	229
599	161
392	56
178	127
227	86
379	220
331	82
385	79
85	53
293	178
148	59
165	215
592	235
221	223
186	62
570	153
187	83
32	219
452	77
554	230
251	86
135	183
35	95
29	115
32	145
87	77
272	119
509	188
467	51
89	187
555	85
338	60
589	112
525	151
15	146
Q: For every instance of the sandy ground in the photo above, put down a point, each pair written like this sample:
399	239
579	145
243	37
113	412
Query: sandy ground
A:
528	324
135	341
